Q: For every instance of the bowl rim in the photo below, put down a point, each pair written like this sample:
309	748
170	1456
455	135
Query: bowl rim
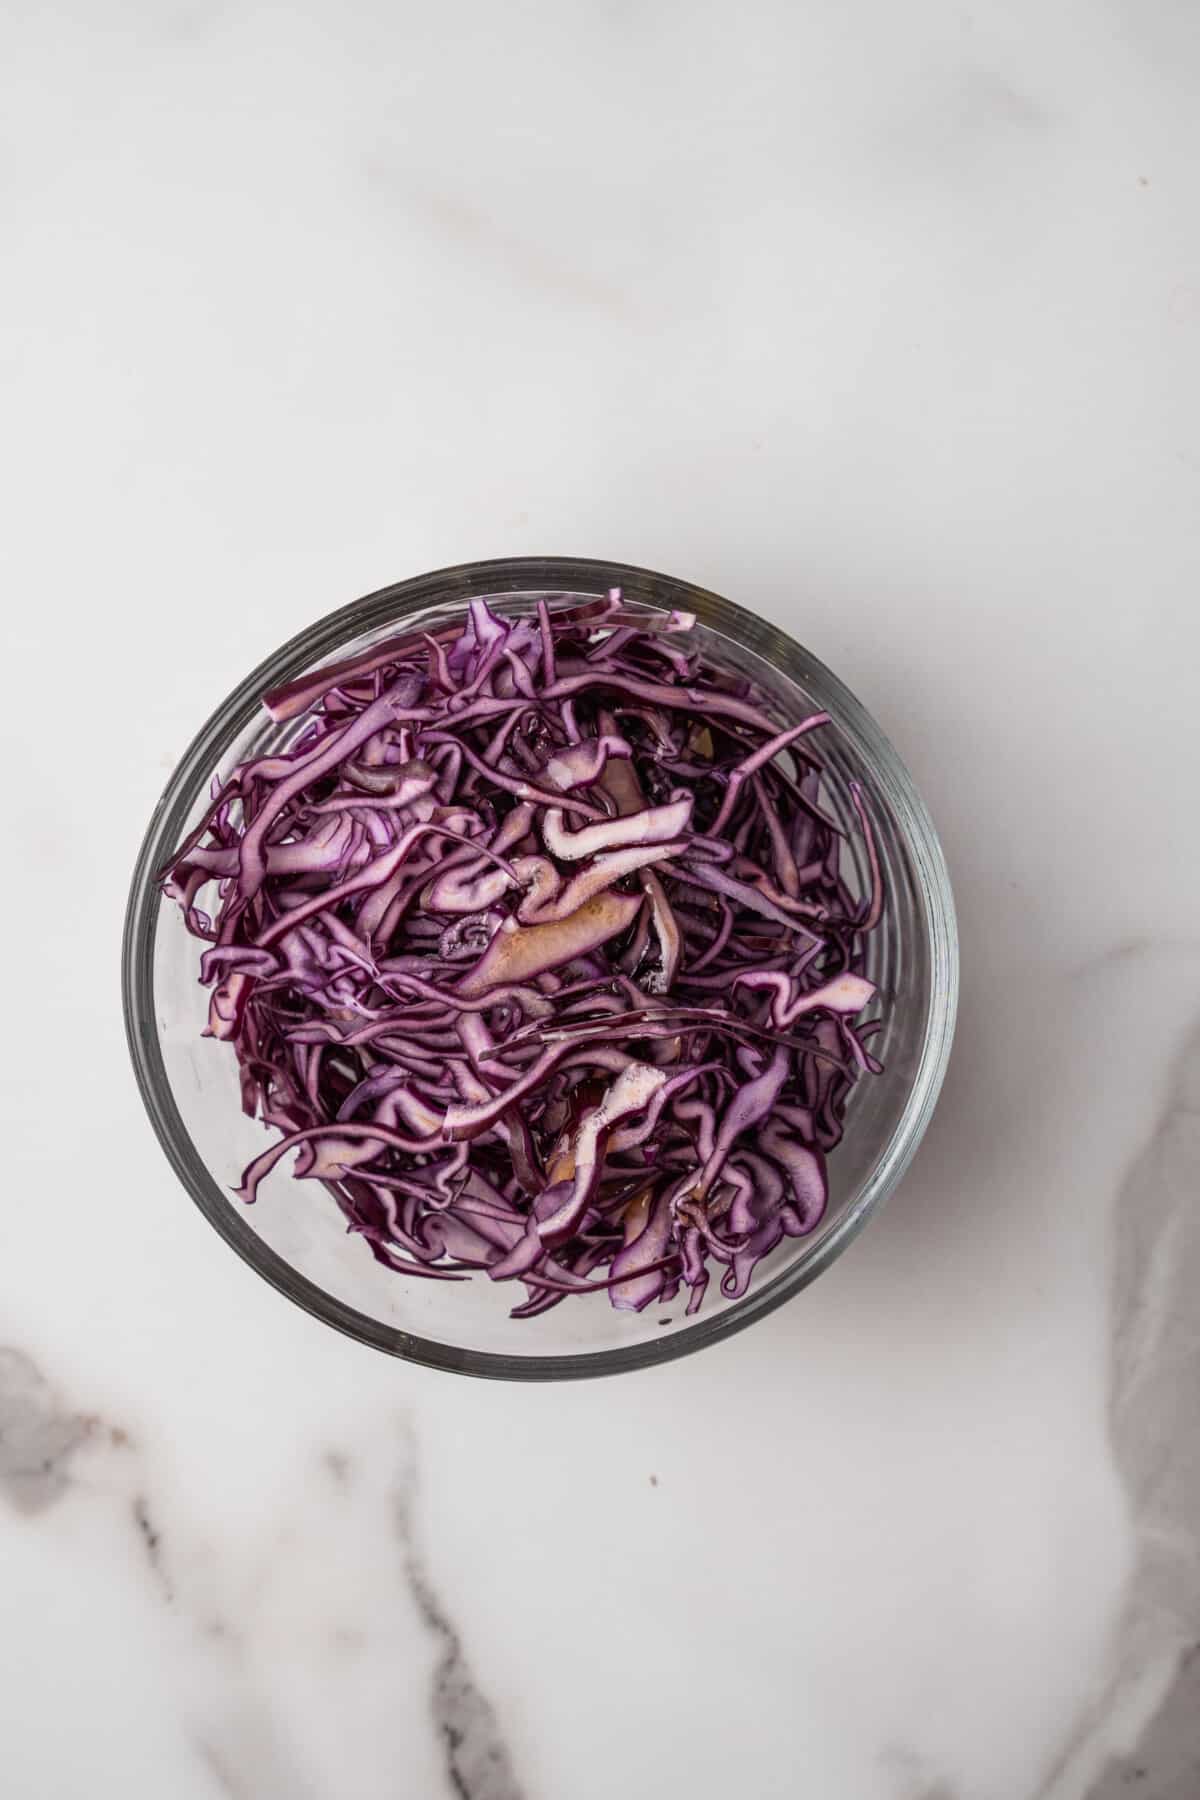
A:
323	638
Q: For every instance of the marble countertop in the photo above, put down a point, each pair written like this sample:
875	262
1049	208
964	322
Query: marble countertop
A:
884	321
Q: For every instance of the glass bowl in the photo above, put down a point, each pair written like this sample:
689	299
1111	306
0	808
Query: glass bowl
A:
295	1235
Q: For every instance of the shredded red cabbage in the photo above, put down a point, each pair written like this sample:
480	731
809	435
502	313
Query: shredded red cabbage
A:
533	946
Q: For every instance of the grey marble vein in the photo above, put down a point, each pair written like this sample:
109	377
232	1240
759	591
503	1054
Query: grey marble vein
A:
37	1435
251	1757
225	1776
911	1775
1155	1431
151	1538
1165	1762
455	222
478	1766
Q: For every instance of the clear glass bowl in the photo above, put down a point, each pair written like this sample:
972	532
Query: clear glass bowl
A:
295	1236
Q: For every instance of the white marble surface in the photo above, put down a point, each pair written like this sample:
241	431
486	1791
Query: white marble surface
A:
885	321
